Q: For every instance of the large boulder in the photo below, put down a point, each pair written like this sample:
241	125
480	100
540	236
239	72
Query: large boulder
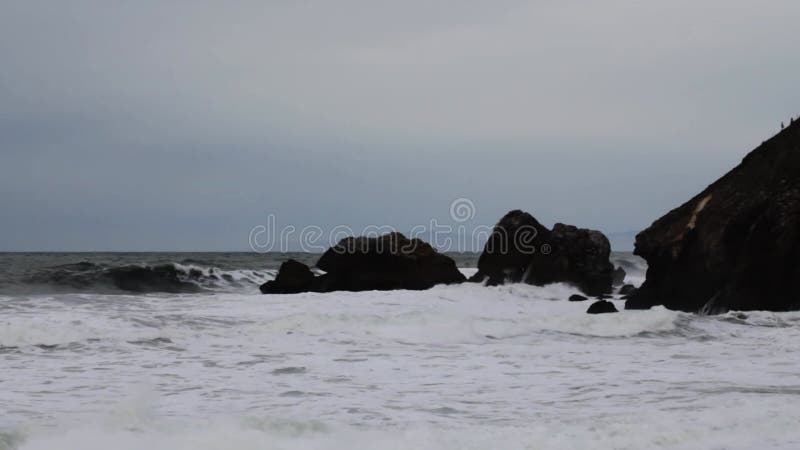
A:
734	246
387	262
515	242
522	249
293	277
578	256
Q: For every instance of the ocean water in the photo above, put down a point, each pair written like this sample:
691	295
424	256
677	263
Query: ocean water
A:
180	351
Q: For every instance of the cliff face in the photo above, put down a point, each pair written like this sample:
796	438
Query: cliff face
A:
736	245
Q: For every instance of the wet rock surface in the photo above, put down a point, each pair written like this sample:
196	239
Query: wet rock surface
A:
522	249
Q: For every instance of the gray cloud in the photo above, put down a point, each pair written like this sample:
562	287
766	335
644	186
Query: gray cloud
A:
180	125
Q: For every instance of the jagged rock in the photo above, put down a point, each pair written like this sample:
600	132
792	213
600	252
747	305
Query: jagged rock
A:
618	278
579	256
522	249
736	245
628	289
293	277
601	307
578	298
515	241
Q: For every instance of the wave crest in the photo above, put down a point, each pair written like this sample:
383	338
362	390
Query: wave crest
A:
142	278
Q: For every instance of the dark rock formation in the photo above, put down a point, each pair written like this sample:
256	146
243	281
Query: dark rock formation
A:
736	245
578	256
522	249
618	279
601	307
293	277
578	298
387	262
515	242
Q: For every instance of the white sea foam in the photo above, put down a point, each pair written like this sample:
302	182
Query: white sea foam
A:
464	366
736	427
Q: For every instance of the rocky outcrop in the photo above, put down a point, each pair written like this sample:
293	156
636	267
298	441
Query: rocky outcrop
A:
293	277
515	242
578	256
601	307
387	262
734	246
522	249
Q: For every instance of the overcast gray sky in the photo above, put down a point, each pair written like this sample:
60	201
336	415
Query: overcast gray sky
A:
166	125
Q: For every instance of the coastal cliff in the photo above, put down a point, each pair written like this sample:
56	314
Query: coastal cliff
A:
735	245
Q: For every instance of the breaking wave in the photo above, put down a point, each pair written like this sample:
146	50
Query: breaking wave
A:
140	278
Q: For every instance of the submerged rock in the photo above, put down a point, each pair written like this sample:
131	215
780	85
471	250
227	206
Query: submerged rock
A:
734	246
387	262
522	249
578	298
601	307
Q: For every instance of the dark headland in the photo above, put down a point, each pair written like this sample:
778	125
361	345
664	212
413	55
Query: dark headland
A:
734	246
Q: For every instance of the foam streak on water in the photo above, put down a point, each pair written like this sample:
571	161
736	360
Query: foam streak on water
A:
464	366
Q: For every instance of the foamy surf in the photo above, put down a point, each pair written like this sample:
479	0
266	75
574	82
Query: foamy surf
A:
463	366
736	426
